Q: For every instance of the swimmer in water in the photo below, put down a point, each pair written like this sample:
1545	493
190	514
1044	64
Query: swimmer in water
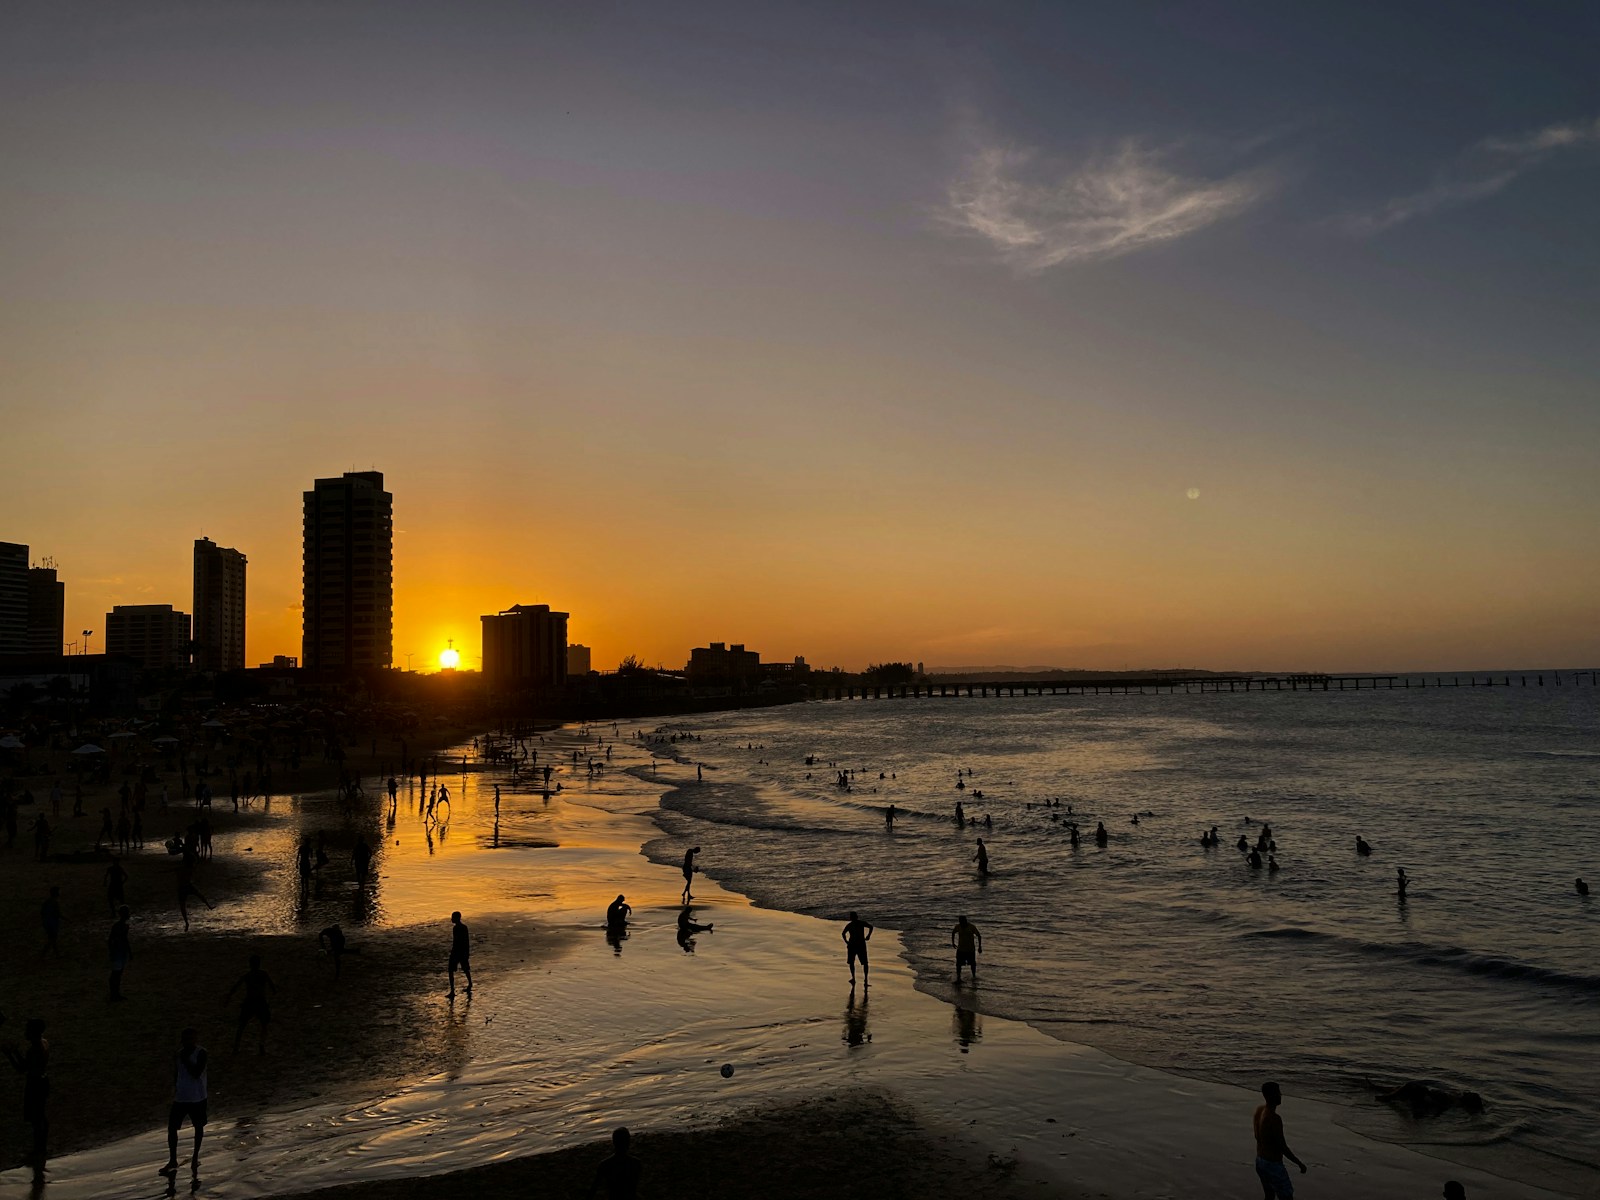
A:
1243	844
961	814
1254	860
1361	846
1101	837
982	858
1272	865
1401	882
1583	888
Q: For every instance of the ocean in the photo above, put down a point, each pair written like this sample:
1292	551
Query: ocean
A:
1158	950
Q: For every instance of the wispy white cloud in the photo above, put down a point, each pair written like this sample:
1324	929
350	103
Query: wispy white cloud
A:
1486	168
1109	206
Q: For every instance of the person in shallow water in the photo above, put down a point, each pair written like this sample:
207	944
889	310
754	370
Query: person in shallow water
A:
888	817
619	911
982	858
1272	1147
1361	846
1582	887
856	934
968	943
1101	837
1401	882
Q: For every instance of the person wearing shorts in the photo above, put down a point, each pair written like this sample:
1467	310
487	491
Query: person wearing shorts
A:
856	935
188	1101
460	953
968	943
256	984
1272	1148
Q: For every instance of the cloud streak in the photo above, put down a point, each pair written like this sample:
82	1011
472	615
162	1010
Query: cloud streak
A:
1110	206
1483	170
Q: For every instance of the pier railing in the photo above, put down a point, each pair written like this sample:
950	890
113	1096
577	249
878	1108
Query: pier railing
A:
1192	684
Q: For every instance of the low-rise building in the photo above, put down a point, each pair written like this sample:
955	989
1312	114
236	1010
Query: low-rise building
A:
156	636
525	646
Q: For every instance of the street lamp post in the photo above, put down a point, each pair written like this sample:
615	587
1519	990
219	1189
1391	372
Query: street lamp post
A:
86	634
409	653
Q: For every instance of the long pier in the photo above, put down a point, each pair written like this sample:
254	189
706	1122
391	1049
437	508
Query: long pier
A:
1191	684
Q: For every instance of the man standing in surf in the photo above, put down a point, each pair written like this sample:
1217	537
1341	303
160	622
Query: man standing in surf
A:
969	944
1272	1148
856	935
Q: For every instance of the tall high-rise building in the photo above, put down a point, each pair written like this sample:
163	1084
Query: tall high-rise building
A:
13	598
156	635
525	646
349	573
218	607
47	611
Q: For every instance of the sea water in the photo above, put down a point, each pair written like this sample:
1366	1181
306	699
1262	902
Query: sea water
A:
1485	978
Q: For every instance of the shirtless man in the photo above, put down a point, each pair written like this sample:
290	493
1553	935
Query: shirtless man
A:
1272	1149
968	943
856	935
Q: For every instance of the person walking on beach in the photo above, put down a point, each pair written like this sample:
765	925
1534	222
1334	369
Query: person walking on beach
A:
619	1174
1272	1148
121	951
688	872
856	935
257	984
361	860
33	1063
968	943
115	877
188	1101
460	953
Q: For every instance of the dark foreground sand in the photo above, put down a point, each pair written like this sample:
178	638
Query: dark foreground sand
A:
858	1144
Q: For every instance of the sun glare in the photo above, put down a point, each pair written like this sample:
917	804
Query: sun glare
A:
450	658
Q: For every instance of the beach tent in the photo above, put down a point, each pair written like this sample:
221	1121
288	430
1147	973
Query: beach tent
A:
164	741
88	748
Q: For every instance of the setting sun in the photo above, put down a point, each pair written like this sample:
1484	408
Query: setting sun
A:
450	658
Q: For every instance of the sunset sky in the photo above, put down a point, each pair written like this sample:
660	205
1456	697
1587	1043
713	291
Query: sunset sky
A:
1254	336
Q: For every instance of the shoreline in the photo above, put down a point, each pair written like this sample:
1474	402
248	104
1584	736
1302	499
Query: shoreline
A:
764	991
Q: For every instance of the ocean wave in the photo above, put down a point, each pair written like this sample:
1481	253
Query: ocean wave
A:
1456	958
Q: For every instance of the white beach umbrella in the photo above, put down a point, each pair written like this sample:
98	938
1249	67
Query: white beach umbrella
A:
164	741
88	748
124	733
212	725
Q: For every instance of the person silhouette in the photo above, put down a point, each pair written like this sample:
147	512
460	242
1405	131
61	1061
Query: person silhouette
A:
33	1064
1361	846
1272	1148
1454	1190
618	913
687	928
1582	887
1101	837
968	943
361	860
1402	881
888	818
460	953
856	934
188	1101
257	985
618	1175
982	858
121	951
333	937
688	872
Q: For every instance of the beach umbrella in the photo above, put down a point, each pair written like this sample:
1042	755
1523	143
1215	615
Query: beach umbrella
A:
88	748
164	741
10	743
124	733
212	725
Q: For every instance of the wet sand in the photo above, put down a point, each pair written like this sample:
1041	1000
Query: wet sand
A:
553	1052
857	1144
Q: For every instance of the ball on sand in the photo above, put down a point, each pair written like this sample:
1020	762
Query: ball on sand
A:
727	1070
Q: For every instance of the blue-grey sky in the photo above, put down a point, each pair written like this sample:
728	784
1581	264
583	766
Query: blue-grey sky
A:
1217	334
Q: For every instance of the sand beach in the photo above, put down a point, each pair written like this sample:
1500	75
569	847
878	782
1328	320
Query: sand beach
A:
379	1086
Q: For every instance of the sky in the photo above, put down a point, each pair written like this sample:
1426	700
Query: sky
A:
1233	336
